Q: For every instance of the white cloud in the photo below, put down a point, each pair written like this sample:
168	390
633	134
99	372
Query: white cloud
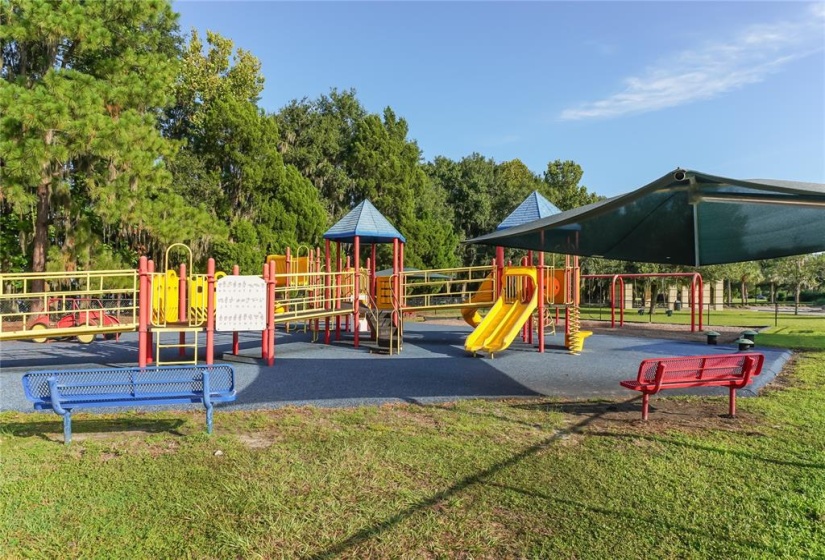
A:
712	69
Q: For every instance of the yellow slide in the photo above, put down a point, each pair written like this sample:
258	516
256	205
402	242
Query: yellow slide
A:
483	296
504	321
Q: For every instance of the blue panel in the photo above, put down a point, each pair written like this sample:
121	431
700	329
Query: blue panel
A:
366	222
534	207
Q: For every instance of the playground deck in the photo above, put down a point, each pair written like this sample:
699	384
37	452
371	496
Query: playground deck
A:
434	367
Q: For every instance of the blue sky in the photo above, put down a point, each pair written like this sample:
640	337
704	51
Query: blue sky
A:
629	90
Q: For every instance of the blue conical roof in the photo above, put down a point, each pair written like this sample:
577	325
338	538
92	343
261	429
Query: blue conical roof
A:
366	222
534	207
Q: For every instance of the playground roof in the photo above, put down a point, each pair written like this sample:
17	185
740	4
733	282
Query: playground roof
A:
366	222
534	207
685	217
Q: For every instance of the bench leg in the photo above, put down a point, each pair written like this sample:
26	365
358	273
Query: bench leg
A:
209	418
67	428
645	403
207	402
732	407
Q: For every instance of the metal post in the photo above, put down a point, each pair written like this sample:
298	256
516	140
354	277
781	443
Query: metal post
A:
236	270
210	311
207	400
542	289
356	296
182	285
327	290
270	298
144	308
338	278
149	335
265	332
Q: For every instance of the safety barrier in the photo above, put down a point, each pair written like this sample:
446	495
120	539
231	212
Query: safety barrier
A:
39	306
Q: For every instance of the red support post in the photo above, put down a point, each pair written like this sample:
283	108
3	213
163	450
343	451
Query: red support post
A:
621	308
236	271
144	309
182	284
210	312
732	405
348	317
338	278
396	279
612	302
270	298
402	295
356	296
149	335
268	308
542	290
701	285
327	290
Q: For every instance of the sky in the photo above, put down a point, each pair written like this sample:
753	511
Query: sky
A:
628	90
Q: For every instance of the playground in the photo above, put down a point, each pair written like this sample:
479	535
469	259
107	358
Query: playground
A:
353	430
434	367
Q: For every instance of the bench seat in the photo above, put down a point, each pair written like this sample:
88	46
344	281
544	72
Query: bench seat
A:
65	390
726	370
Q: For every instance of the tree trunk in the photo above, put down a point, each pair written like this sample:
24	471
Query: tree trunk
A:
730	295
40	246
41	234
654	293
743	291
773	293
797	294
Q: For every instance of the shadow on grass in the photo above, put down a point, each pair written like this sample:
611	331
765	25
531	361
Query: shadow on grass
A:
633	517
387	524
699	447
585	408
42	428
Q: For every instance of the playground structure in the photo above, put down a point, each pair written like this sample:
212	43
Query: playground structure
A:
310	288
617	293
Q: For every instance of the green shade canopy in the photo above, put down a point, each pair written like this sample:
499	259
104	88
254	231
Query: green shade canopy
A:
687	218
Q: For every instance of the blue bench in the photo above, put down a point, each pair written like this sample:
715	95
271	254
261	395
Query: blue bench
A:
64	391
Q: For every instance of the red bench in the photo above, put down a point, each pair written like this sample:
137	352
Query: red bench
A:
729	370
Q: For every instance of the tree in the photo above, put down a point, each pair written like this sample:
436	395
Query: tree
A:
470	187
799	272
82	83
230	157
562	182
513	182
317	137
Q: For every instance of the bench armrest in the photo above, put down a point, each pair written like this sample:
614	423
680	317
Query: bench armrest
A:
54	392
748	367
660	376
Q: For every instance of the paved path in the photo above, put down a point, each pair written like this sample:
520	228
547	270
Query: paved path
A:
432	368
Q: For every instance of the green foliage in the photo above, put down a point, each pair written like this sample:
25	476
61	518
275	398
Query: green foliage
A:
82	83
230	158
317	137
562	181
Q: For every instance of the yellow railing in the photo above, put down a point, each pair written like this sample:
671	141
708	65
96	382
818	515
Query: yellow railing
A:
314	295
448	288
82	304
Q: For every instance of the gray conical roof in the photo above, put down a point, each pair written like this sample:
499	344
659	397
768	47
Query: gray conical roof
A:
534	207
366	222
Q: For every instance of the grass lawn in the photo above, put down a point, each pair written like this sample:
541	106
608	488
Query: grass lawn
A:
526	478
